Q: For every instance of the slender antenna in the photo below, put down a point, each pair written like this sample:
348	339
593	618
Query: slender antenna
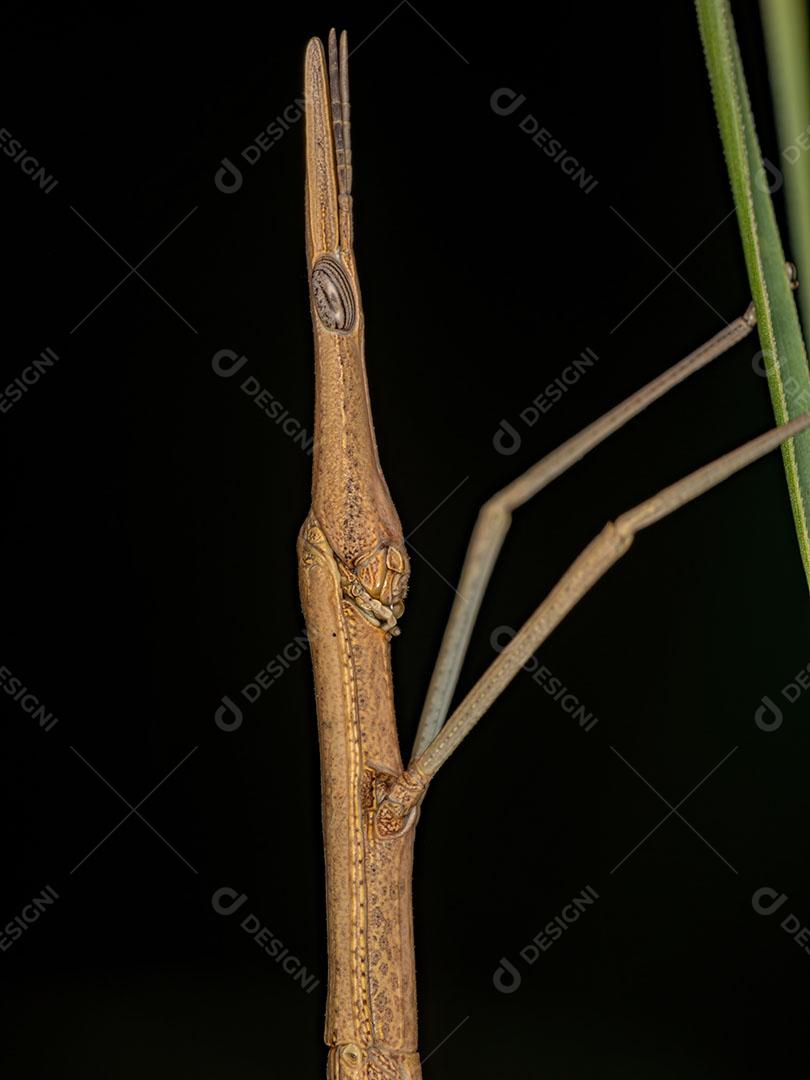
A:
346	108
339	94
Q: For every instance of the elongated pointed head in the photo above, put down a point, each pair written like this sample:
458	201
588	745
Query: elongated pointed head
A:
350	498
329	155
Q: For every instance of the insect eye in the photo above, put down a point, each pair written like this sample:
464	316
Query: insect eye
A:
333	294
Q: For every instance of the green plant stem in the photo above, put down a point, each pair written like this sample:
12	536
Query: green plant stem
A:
783	349
787	38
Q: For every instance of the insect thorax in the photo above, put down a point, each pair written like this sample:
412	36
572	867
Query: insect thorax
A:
377	586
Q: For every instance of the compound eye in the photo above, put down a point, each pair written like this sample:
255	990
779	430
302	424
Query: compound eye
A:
333	294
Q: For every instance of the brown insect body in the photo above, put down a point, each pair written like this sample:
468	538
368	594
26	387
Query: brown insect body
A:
353	571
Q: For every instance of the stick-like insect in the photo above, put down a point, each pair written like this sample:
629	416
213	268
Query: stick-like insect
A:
353	576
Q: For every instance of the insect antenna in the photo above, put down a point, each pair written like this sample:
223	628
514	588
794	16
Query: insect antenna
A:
341	123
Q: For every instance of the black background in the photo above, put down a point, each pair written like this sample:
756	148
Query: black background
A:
150	514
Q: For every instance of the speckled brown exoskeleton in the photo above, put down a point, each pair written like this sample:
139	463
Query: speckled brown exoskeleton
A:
354	574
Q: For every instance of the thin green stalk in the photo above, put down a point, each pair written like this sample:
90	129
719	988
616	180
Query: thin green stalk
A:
777	319
787	38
